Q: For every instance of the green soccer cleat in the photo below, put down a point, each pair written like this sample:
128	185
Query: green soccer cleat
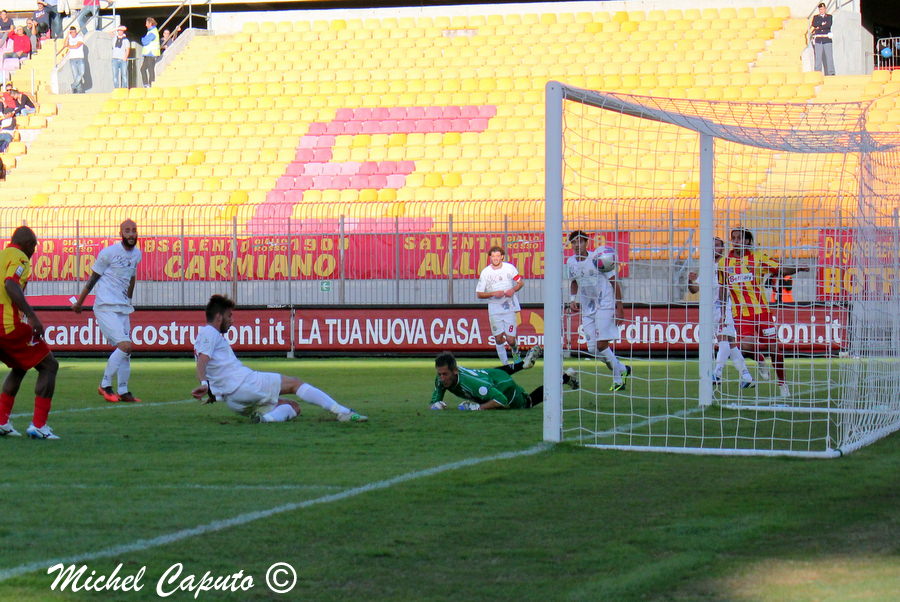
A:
352	416
621	385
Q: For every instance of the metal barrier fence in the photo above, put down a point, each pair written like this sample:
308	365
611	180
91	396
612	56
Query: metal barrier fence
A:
410	262
887	53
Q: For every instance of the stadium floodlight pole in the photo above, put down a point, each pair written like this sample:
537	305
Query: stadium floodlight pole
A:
707	271
553	263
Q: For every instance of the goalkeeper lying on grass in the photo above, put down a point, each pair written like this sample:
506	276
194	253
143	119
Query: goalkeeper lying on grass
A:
491	389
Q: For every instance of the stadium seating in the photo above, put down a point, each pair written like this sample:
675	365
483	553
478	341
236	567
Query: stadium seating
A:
412	117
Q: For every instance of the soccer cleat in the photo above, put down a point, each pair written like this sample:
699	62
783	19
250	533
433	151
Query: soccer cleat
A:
573	380
531	357
45	432
128	397
514	359
619	386
352	416
716	380
784	391
762	370
108	394
747	380
7	430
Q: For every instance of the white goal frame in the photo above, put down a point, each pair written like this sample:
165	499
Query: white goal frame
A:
707	131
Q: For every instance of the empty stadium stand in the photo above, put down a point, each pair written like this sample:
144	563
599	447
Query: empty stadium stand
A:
401	118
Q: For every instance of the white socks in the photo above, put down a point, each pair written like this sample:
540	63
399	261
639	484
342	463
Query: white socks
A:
738	359
315	396
124	372
501	353
114	365
722	354
611	360
281	413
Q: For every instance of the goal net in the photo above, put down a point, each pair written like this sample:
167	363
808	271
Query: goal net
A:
804	201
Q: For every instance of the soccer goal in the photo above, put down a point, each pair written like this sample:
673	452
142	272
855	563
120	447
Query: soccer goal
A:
804	199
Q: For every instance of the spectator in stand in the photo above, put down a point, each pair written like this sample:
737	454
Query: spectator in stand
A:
6	23
7	129
21	44
151	53
40	21
55	18
31	30
121	48
168	38
24	104
91	9
75	46
8	101
820	29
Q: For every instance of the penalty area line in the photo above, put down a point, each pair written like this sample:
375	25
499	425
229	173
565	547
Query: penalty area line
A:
141	545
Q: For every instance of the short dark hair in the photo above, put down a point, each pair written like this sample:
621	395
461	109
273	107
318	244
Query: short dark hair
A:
747	234
821	5
217	305
445	359
576	234
22	235
496	248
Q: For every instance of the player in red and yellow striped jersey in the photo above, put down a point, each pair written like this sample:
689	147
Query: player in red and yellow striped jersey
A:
22	346
743	271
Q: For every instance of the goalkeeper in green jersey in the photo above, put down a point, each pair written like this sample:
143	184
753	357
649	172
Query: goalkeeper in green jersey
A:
489	389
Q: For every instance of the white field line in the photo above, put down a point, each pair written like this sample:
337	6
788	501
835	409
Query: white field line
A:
242	519
108	406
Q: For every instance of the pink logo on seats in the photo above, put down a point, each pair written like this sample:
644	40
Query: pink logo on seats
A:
313	168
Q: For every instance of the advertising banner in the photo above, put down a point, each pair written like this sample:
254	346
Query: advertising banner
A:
815	329
406	256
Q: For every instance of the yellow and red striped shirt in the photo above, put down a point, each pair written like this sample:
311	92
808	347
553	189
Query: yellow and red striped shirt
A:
15	265
744	276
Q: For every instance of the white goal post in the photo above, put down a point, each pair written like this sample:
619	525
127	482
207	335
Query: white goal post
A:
812	192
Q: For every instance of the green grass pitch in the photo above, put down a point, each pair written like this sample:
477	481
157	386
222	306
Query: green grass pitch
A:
155	484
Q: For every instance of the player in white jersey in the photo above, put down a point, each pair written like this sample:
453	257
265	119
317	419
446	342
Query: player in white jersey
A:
249	393
114	274
726	334
598	296
498	283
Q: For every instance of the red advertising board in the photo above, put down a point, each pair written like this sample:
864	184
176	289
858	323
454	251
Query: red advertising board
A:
816	329
308	257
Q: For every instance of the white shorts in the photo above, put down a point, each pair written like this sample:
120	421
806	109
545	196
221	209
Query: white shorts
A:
257	395
115	326
504	323
600	326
